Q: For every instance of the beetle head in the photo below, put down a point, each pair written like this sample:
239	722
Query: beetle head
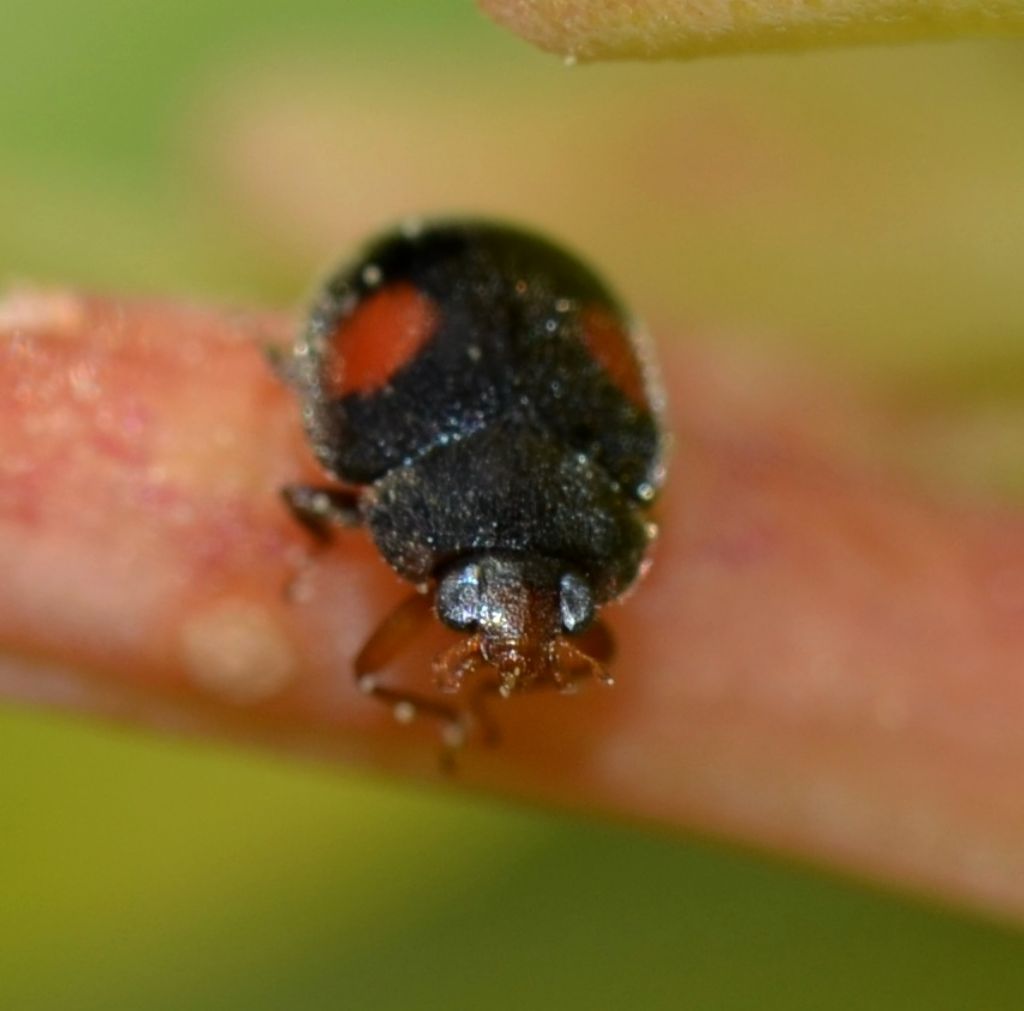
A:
518	609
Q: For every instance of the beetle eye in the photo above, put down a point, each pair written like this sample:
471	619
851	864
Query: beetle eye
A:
458	598
575	602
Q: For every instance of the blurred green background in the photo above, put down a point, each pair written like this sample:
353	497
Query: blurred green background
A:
863	207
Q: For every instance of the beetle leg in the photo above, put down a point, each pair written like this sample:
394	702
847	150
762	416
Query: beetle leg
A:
586	655
597	642
282	364
572	665
320	509
393	634
477	707
390	637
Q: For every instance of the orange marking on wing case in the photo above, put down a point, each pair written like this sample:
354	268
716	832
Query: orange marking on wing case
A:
385	332
613	348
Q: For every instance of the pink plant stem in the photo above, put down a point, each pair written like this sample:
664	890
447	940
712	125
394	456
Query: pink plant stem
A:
824	660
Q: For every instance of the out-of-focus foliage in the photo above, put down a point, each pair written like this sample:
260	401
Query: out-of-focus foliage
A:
663	29
863	206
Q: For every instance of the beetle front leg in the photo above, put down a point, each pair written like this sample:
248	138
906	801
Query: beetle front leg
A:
573	665
321	509
389	639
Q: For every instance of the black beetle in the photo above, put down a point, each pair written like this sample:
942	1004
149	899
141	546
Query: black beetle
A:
489	414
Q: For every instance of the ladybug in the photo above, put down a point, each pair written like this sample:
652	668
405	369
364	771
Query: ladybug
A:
482	405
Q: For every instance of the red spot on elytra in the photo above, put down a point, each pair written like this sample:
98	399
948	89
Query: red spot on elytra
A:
383	334
613	349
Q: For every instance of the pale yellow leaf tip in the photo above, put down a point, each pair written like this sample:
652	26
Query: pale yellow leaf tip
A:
662	29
